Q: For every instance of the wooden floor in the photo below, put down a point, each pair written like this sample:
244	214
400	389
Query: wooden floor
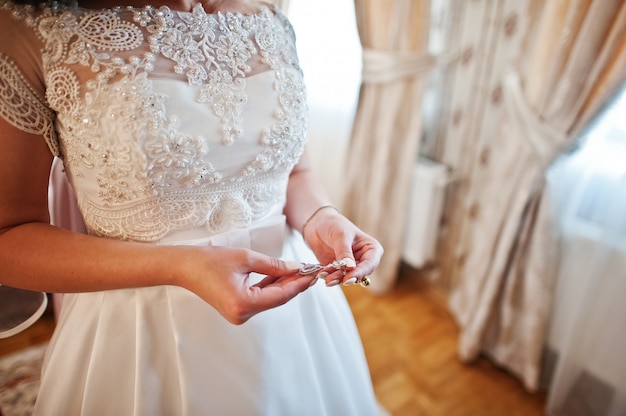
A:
410	342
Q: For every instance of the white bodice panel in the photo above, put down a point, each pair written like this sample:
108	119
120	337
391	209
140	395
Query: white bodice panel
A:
178	128
169	121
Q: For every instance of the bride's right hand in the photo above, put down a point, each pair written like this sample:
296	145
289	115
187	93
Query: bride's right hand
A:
221	277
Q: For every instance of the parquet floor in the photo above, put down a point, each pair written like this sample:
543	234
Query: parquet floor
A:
410	342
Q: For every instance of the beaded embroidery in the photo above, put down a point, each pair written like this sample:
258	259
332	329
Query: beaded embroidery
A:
21	106
117	129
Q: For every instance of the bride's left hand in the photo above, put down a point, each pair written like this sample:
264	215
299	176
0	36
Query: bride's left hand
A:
332	237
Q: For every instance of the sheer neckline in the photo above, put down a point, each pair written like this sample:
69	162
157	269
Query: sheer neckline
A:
198	7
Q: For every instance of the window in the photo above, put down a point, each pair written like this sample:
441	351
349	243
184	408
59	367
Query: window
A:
592	181
330	56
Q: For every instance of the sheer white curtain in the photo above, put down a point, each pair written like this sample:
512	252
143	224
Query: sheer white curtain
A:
587	336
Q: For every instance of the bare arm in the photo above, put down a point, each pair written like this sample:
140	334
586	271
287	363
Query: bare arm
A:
329	234
35	255
305	194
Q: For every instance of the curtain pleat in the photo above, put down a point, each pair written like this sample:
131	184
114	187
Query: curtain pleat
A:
386	134
503	292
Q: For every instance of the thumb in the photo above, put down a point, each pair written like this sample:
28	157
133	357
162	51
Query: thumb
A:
273	266
344	253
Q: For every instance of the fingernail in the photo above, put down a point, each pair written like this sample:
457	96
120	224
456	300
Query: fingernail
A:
333	283
312	282
293	265
350	281
322	275
350	263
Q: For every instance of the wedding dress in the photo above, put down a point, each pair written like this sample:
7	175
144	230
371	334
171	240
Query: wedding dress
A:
178	128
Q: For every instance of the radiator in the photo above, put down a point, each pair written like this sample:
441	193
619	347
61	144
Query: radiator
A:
428	183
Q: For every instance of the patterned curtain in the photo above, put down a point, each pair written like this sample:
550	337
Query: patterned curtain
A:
384	144
531	76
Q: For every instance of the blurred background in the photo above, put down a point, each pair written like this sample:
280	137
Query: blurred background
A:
483	143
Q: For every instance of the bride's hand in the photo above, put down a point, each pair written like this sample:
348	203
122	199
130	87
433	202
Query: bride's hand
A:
332	237
221	277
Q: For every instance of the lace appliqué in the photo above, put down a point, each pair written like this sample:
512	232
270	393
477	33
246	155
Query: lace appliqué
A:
21	106
151	220
205	47
93	38
118	137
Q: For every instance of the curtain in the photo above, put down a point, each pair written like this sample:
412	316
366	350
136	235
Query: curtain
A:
544	70
586	341
385	138
488	37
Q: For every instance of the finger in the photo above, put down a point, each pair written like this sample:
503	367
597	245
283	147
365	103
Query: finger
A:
369	257
343	251
332	278
278	292
344	254
271	266
267	280
270	280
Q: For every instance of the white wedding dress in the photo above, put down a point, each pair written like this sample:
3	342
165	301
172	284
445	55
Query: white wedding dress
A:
178	128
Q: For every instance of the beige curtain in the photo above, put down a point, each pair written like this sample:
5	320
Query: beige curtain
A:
571	59
386	133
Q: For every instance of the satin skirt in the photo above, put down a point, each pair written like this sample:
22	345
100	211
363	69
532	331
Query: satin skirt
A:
163	351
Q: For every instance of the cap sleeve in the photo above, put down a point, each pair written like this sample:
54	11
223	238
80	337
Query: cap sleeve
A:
21	107
22	102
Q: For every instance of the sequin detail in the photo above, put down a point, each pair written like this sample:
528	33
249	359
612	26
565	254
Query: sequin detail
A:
139	171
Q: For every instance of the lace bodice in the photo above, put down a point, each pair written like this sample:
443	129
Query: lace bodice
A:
165	120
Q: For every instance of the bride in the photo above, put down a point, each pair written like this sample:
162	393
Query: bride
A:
182	128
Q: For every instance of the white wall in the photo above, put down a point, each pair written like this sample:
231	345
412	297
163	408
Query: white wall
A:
330	56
